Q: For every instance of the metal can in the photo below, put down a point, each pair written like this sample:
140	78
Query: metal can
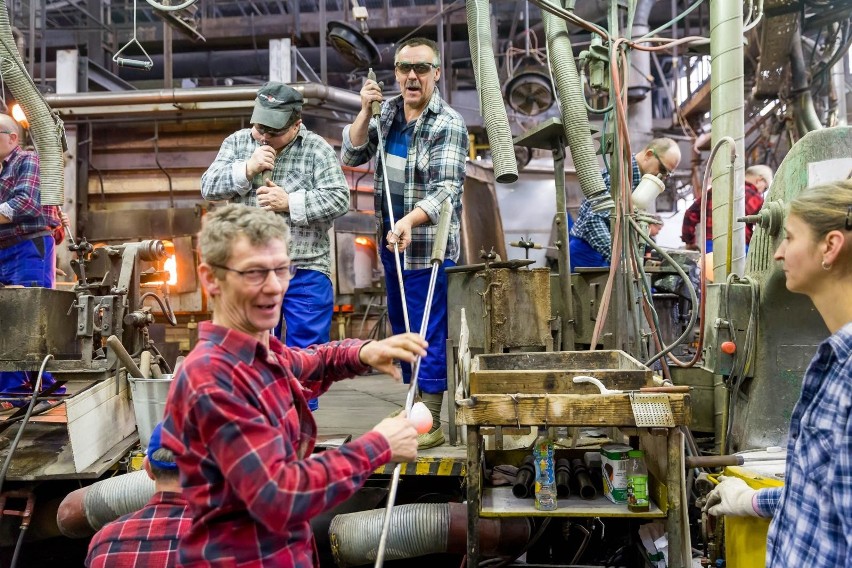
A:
614	462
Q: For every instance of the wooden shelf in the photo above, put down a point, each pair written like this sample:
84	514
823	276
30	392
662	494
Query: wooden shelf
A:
499	502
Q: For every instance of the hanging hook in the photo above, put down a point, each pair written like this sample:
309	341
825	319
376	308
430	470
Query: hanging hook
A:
146	64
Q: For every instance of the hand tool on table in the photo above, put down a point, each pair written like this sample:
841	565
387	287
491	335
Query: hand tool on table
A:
377	113
439	248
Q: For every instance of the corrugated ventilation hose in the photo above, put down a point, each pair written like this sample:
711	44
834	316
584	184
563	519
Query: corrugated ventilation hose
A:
492	107
46	129
84	511
416	530
575	121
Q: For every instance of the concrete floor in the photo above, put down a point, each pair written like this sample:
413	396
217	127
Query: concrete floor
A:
356	405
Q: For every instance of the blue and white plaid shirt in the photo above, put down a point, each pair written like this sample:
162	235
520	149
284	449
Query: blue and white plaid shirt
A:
434	171
812	524
308	170
593	227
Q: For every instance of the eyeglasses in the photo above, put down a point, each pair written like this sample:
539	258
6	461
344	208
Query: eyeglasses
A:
664	171
266	130
6	132
257	276
419	68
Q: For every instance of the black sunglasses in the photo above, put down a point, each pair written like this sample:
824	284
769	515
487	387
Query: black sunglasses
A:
266	130
419	68
664	171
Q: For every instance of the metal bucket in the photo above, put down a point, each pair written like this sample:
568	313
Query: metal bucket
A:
149	403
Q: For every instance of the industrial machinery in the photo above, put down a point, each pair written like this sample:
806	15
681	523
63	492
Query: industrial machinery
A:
66	332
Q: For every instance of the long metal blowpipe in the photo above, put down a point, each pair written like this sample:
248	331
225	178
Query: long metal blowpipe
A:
439	248
377	112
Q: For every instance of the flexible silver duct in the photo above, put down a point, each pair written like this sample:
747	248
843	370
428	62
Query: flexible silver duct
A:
84	511
47	131
575	121
416	530
492	107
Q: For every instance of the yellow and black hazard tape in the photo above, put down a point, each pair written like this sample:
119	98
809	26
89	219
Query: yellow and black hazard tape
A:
428	466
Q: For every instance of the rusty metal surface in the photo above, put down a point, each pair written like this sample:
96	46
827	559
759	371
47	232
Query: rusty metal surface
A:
134	225
35	322
504	308
774	50
520	304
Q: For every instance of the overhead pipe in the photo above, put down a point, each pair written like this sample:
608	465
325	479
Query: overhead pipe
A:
341	98
726	100
803	102
492	107
575	121
420	529
46	129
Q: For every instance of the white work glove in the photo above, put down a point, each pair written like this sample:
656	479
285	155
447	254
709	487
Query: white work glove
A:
731	497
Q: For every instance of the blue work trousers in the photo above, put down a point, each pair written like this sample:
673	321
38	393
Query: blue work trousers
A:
30	263
433	368
307	310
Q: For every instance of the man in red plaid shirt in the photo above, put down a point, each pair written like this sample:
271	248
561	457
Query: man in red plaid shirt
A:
757	181
237	416
148	537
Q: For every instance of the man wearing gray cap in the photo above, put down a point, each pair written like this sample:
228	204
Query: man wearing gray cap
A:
281	166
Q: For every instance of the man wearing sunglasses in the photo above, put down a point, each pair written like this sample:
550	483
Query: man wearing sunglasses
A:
426	145
590	239
281	166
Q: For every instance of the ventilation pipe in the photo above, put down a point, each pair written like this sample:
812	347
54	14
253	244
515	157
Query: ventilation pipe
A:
421	529
803	102
575	121
84	511
726	100
47	131
491	103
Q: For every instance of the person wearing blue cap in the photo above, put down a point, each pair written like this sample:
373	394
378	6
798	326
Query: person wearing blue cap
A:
149	537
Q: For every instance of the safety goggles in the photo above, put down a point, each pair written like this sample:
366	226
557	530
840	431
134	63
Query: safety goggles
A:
268	131
419	68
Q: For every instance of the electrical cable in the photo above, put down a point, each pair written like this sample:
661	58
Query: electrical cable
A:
670	23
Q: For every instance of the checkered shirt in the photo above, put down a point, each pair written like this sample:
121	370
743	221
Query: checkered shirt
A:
692	217
148	537
239	424
812	524
435	171
592	226
20	198
308	169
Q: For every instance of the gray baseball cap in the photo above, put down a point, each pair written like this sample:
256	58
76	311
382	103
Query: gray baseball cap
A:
274	104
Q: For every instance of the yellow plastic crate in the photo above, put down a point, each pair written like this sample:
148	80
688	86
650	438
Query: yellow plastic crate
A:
745	537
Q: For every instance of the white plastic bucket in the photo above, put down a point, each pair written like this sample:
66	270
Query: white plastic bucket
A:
149	403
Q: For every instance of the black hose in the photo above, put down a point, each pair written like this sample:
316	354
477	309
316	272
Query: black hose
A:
167	309
19	435
524	479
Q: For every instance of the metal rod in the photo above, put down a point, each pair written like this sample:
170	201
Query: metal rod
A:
377	112
438	249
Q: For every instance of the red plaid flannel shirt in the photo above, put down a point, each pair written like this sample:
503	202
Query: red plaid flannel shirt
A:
692	217
148	537
239	424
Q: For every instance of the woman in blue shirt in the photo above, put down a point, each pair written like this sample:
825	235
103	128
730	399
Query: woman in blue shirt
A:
812	513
